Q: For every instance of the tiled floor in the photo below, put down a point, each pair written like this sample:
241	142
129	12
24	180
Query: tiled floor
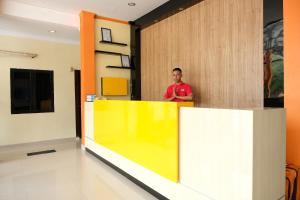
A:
68	174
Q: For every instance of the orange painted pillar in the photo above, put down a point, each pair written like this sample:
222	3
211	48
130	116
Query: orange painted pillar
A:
291	19
87	59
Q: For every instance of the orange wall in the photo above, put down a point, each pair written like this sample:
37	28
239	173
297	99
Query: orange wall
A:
292	77
87	58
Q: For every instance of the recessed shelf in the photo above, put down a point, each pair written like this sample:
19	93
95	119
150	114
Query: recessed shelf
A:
114	43
108	52
119	67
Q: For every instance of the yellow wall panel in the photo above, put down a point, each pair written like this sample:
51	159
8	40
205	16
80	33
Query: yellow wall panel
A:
114	86
144	132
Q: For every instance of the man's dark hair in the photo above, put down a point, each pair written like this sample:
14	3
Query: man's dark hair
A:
177	69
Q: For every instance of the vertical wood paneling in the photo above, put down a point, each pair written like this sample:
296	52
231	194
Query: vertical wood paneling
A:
219	46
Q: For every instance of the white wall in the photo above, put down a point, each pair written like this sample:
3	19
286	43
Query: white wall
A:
24	128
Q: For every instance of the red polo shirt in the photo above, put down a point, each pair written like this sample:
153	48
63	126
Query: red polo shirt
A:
182	89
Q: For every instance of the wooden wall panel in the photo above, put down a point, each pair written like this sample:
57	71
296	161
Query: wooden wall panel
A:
219	46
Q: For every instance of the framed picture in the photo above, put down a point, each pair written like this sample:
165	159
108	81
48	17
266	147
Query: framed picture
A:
125	61
274	64
106	34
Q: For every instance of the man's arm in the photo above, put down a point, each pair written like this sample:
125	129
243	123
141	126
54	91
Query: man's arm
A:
185	98
169	99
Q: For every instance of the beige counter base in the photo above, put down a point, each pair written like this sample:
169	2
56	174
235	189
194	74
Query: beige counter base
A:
233	154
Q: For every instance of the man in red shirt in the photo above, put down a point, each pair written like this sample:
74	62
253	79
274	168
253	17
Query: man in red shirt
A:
179	91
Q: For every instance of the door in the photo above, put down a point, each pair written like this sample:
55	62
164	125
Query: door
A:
77	103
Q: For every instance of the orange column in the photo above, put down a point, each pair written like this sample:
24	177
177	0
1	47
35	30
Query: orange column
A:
291	19
87	59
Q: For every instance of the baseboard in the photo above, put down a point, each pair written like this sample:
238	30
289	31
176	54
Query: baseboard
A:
128	176
46	142
152	182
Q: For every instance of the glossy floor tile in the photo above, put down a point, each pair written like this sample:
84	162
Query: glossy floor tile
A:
68	174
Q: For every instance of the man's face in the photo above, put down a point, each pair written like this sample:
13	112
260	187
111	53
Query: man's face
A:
176	76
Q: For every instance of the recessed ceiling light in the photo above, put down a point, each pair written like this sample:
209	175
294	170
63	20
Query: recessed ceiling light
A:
52	31
131	4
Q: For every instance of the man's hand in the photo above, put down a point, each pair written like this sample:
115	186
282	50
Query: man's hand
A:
174	93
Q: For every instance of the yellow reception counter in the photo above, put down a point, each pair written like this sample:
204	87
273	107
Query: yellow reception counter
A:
182	152
144	132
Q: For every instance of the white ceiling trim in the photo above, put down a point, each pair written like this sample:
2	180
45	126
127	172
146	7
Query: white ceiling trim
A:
38	37
37	13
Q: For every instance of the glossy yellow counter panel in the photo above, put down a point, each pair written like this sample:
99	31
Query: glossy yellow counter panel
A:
144	132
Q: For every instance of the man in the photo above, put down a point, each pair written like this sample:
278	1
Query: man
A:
179	91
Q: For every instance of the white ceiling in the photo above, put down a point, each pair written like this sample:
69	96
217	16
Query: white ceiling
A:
33	18
21	27
109	8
